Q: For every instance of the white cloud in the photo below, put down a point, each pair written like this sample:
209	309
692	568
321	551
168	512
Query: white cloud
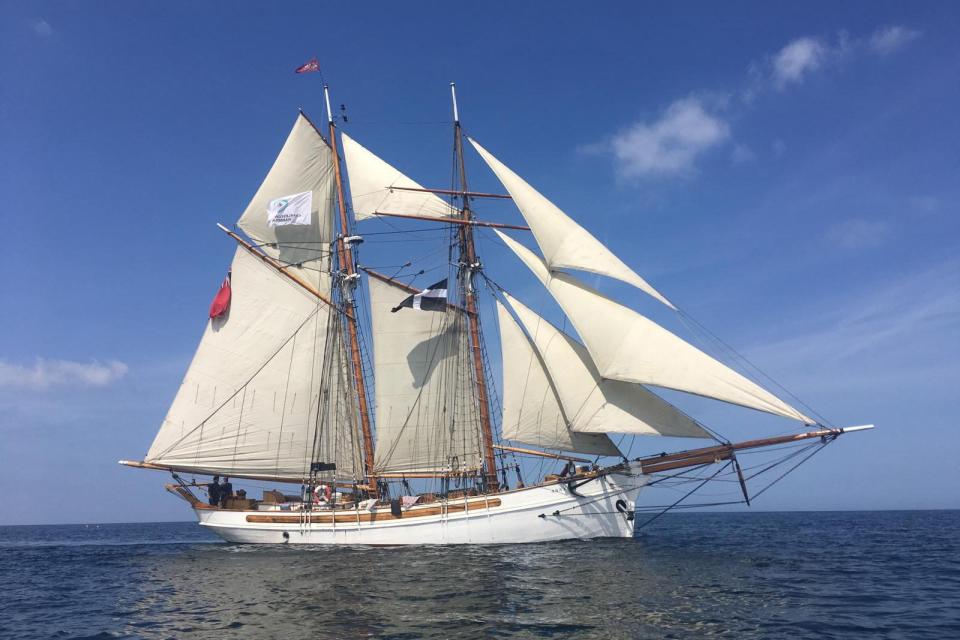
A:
45	374
889	39
41	27
669	145
792	63
858	233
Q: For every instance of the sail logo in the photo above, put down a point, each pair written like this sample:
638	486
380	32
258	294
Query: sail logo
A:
294	209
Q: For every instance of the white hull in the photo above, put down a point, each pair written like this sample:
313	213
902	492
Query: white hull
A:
509	517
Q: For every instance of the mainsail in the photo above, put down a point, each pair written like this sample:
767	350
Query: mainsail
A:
427	414
564	243
532	412
592	403
376	187
627	346
250	403
267	392
303	174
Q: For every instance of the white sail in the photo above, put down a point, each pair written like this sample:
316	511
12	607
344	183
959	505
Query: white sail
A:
564	243
250	402
627	346
427	413
376	187
532	412
302	178
593	404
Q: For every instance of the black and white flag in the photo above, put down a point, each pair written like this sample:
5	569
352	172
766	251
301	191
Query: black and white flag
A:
433	298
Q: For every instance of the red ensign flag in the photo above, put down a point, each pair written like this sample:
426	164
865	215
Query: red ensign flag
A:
309	67
221	302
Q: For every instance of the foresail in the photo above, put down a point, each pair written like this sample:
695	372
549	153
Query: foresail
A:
532	413
625	345
376	187
250	402
594	404
290	217
564	243
427	414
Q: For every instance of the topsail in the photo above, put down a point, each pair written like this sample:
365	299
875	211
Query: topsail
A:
376	187
289	217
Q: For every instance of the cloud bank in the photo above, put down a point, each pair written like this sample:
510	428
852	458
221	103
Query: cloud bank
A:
47	374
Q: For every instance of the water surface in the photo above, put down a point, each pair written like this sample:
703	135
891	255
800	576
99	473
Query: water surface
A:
690	575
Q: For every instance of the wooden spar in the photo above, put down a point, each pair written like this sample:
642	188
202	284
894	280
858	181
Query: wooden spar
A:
472	223
707	455
209	472
346	264
543	454
402	285
280	268
693	461
451	192
469	255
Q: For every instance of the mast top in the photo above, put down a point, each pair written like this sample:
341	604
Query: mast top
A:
453	94
326	98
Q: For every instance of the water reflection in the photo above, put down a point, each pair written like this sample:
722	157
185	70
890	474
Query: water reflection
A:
603	589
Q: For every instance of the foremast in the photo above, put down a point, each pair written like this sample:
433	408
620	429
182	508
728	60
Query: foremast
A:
349	279
469	265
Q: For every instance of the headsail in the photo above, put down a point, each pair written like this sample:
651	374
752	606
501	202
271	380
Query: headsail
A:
427	414
376	187
289	217
564	243
250	403
594	404
627	346
532	413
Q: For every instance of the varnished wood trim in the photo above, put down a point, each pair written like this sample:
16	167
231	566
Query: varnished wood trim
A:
380	515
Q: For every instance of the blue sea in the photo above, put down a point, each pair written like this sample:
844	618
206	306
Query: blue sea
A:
688	575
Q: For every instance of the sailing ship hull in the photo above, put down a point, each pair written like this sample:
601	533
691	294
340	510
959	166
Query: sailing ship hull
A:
597	508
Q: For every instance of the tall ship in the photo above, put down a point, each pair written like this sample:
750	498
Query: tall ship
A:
377	410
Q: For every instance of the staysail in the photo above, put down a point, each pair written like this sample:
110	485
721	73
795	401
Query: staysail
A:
564	243
532	413
289	217
427	414
592	403
250	402
627	346
376	187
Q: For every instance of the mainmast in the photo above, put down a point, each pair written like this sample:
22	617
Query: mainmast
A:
469	265
350	278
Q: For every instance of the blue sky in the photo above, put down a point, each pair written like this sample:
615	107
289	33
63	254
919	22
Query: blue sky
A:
787	174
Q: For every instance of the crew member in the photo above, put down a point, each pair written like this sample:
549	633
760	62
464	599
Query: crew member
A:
213	491
226	491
